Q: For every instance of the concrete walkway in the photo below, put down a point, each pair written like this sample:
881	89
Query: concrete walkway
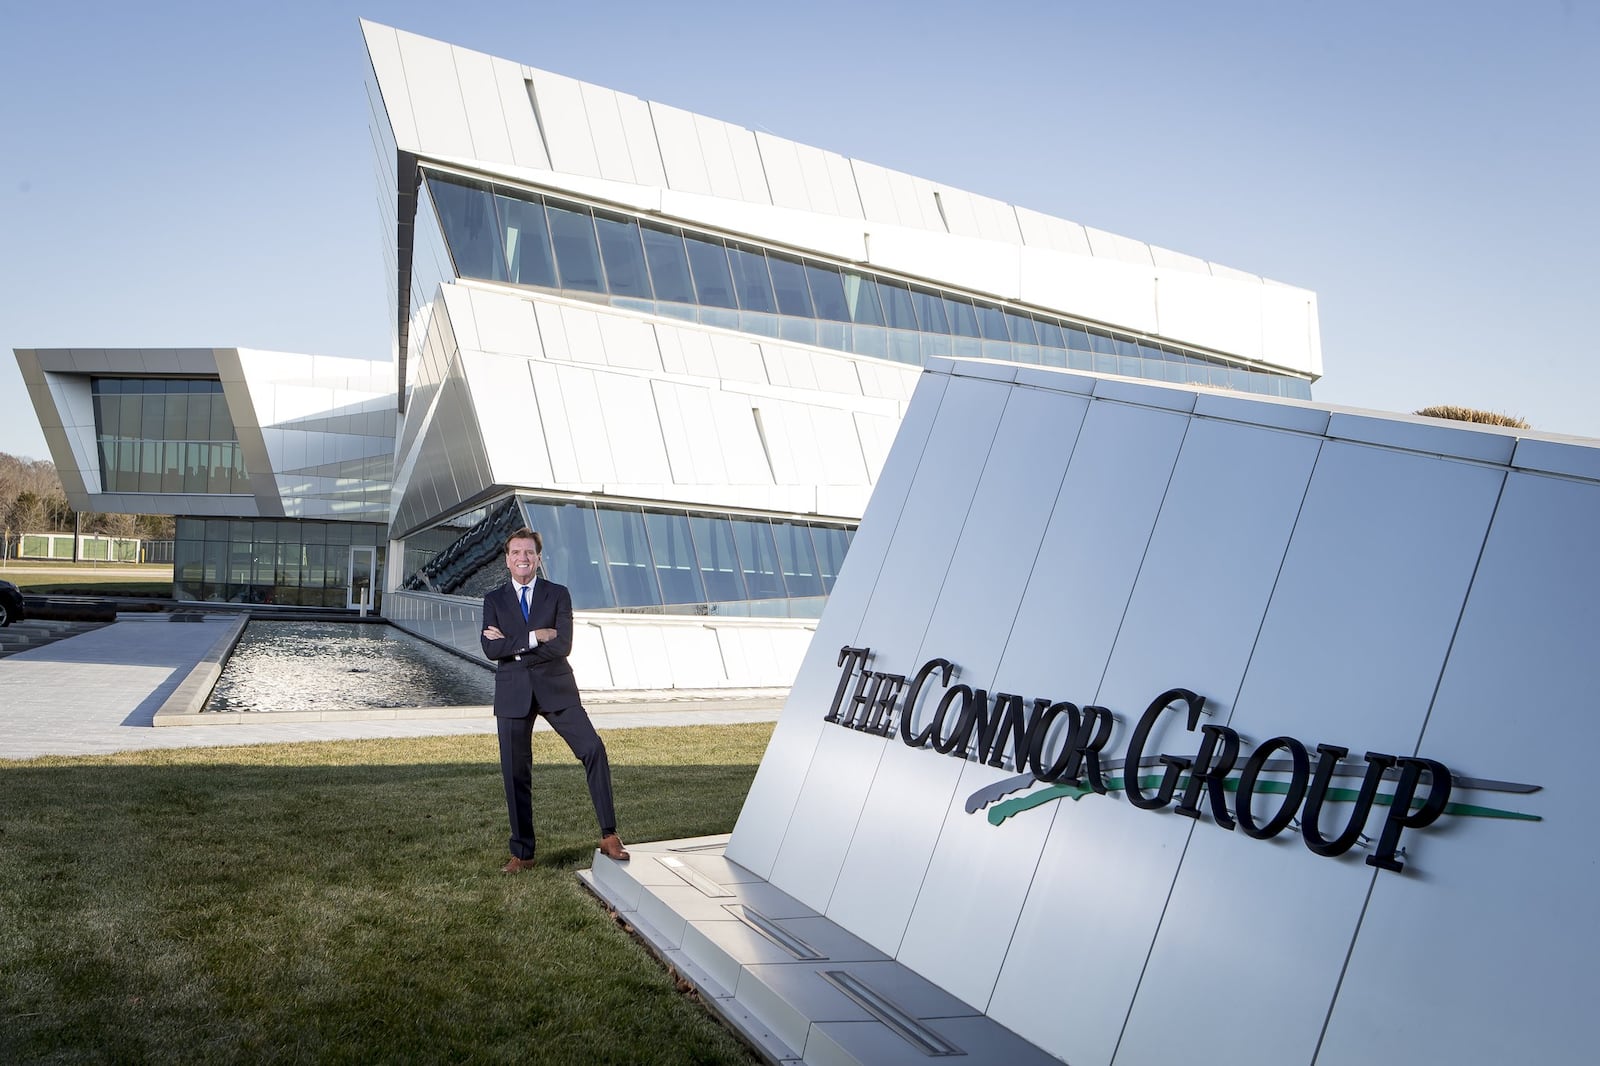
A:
102	692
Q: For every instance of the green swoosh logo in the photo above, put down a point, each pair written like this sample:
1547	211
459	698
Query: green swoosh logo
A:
1001	811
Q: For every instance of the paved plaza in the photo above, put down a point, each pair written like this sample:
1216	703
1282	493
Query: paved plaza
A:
101	692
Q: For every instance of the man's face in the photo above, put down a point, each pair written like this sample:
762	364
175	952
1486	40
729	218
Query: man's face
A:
522	559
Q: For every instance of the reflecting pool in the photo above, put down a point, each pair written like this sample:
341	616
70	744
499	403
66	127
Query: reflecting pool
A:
325	666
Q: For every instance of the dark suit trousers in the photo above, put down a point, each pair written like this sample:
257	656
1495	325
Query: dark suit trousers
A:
516	767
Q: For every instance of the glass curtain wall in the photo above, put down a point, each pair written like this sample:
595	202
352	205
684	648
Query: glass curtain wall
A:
657	560
299	563
169	435
503	234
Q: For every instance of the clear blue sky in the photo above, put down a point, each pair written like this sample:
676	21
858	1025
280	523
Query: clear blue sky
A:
200	173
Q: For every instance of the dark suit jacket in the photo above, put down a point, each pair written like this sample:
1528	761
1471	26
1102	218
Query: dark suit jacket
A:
528	676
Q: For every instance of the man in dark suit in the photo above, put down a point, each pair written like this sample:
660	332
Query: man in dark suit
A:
527	632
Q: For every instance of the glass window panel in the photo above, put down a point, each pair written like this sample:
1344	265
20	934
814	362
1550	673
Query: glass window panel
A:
992	323
959	313
789	285
905	346
1050	334
898	312
149	465
718	558
624	257
869	340
863	298
1127	348
152	415
1150	353
572	553
708	261
628	557
529	260
801	575
751	280
669	266
830	543
131	420
466	214
577	256
800	330
930	311
828	293
107	415
1105	364
198	426
172	466
177	416
221	420
194	467
1021	329
672	549
758	558
1101	343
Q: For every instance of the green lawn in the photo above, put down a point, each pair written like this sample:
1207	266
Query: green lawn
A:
342	902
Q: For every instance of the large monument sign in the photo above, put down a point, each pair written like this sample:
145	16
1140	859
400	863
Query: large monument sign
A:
1145	721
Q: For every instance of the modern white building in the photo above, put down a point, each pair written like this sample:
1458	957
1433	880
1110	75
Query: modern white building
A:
679	347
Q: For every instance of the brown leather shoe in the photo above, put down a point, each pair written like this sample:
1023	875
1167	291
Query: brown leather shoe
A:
611	847
516	865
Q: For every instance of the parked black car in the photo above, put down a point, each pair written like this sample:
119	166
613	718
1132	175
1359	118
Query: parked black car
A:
10	604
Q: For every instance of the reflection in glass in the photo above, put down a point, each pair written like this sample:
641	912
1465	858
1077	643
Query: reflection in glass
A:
628	557
466	214
758	558
527	241
708	261
577	258
672	549
623	257
719	559
669	266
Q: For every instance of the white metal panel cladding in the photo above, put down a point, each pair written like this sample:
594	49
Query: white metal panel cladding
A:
1306	575
606	132
480	96
567	133
522	126
681	155
1500	926
1389	612
780	160
1064	626
1006	519
765	817
383	48
435	91
922	549
722	175
643	151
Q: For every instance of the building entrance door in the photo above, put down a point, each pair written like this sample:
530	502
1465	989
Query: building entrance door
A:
363	568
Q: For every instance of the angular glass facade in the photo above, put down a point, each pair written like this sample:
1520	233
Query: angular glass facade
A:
500	233
658	560
166	435
298	563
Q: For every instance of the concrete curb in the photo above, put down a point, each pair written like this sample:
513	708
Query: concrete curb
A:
183	706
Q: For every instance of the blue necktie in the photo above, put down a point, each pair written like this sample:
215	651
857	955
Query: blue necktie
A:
525	603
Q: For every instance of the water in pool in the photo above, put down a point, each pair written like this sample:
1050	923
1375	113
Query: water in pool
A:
323	666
